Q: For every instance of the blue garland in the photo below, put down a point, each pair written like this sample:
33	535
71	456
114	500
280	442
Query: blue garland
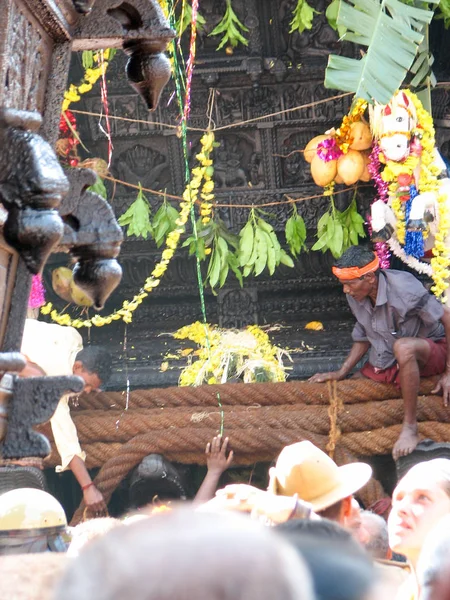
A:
413	239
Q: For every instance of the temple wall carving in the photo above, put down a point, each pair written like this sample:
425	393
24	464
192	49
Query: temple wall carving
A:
257	163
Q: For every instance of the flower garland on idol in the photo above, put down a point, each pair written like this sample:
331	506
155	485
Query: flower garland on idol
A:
397	181
200	174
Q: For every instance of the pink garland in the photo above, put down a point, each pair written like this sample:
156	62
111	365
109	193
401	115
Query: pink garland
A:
374	168
37	292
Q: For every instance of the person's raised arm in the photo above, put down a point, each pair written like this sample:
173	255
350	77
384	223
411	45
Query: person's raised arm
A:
217	462
355	355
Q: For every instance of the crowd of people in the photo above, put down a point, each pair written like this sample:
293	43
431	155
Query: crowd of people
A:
304	538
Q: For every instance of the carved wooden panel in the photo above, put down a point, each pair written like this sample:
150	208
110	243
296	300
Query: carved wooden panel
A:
26	61
8	267
257	89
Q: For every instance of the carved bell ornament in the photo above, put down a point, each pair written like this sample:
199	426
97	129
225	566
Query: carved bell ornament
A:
98	278
32	185
140	28
147	73
92	236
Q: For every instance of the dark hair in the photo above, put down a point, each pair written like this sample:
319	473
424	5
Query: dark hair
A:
323	529
332	512
355	256
340	568
96	359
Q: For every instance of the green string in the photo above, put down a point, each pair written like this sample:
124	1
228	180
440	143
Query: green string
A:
187	178
222	416
179	86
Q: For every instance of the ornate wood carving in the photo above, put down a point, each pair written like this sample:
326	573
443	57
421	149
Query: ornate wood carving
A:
256	163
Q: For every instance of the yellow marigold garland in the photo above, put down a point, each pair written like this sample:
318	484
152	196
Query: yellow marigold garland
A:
428	182
343	133
91	76
190	196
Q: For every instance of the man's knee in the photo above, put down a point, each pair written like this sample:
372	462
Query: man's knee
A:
406	349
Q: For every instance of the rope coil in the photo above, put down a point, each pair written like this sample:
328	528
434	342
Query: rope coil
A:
351	419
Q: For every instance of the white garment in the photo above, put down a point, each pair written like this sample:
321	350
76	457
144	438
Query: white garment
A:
54	348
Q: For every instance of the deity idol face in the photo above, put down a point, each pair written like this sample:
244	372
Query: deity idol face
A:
396	124
395	147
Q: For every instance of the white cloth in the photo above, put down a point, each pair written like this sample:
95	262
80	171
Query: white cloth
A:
54	348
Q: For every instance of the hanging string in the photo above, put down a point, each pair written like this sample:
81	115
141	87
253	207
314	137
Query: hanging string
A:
183	132
248	206
222	127
191	59
127	377
105	105
185	111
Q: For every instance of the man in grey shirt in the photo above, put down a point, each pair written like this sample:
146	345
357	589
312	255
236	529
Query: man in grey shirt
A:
403	326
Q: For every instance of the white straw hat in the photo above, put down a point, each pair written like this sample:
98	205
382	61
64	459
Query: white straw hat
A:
304	469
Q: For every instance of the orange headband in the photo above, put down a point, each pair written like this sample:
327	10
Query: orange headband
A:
349	273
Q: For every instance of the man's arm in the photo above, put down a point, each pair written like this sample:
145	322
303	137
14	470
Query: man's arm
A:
218	462
91	495
356	353
444	382
72	457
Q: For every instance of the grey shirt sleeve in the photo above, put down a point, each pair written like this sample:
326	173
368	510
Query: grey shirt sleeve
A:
359	333
430	310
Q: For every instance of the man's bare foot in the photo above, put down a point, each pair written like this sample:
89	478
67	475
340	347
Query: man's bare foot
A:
407	441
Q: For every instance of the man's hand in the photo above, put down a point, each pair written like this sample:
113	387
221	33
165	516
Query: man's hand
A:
95	502
217	462
216	455
330	376
443	385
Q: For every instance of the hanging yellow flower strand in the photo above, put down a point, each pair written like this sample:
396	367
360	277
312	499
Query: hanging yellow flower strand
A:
190	196
91	76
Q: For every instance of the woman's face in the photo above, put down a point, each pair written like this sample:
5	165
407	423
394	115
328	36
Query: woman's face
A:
418	503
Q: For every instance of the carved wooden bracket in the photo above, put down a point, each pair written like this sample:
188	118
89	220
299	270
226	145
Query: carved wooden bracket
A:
137	26
33	401
32	184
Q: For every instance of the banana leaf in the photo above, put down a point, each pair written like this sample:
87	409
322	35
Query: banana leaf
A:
392	32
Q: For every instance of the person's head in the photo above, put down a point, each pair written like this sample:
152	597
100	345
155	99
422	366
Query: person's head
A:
357	270
84	533
420	500
433	567
319	529
355	525
339	567
93	365
31	521
185	554
377	538
305	470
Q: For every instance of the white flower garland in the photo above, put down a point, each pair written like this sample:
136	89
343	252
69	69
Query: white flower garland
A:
411	261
